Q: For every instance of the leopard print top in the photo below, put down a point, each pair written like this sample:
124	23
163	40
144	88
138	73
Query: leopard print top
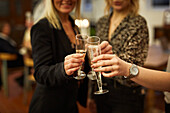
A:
130	41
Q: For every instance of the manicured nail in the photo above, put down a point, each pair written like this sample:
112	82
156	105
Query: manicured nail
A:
94	69
80	54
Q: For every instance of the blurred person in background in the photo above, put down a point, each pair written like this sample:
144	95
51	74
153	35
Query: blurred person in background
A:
26	49
26	44
8	45
127	32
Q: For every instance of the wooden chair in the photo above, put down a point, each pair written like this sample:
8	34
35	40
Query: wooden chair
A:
4	57
28	78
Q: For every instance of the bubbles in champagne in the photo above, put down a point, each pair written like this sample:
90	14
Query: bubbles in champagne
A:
93	50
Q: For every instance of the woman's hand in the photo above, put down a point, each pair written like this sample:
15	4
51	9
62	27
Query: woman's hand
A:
110	65
72	63
106	48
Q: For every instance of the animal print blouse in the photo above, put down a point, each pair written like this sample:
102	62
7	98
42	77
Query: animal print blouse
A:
129	41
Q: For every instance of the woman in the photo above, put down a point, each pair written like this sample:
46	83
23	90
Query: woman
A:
55	61
8	45
127	32
52	39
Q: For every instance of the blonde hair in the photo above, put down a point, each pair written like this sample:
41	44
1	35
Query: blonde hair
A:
51	13
133	7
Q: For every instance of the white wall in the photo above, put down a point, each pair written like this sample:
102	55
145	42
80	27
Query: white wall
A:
153	16
97	10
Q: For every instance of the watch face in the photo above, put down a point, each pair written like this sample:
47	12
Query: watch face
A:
134	70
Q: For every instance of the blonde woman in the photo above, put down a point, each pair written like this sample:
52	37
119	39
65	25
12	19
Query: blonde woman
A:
127	32
55	61
53	40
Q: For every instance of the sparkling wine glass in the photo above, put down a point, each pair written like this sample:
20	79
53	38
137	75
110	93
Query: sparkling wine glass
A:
91	45
81	47
94	50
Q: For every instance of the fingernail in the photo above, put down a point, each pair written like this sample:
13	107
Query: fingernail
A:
94	69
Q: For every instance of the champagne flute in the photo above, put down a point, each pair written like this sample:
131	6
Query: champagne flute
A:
93	51
81	48
92	74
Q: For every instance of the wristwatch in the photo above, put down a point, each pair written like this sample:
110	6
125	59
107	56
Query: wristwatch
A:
133	72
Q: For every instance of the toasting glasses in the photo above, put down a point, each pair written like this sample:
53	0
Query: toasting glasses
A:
81	48
94	50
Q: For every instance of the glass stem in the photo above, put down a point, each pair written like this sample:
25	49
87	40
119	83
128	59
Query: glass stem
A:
99	81
79	71
93	72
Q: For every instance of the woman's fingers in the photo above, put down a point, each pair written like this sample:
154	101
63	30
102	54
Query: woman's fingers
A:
103	57
72	70
73	60
77	56
106	48
108	64
72	63
102	63
107	69
104	44
111	74
109	52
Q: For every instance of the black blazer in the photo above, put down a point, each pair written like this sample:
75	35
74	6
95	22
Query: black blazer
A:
55	91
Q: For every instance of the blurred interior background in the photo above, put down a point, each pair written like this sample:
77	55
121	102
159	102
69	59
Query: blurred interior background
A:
16	12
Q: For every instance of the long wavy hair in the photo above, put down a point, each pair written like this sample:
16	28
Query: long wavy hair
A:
133	8
52	15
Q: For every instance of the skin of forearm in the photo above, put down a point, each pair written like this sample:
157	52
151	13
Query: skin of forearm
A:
153	79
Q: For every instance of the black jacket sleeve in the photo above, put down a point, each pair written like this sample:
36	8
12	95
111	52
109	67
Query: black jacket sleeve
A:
47	72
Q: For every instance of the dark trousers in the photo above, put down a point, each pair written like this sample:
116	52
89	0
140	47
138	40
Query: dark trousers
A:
120	99
167	108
